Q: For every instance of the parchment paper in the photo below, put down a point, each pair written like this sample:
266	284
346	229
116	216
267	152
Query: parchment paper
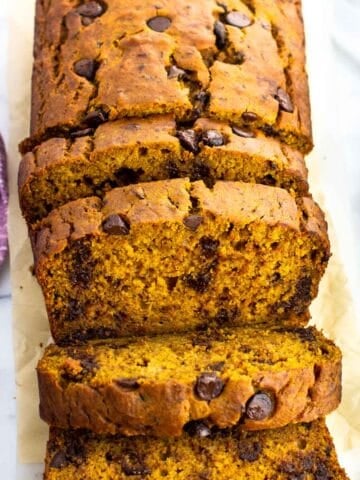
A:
333	311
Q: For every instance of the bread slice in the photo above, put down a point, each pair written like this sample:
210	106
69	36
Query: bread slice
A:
141	150
302	451
174	255
159	386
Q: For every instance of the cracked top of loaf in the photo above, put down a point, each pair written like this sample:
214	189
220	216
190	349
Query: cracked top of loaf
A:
237	61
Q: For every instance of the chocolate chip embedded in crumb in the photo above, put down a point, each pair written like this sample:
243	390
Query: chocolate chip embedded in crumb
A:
284	101
220	34
249	117
209	386
176	72
91	9
260	406
189	140
96	118
209	246
85	67
159	23
130	384
237	19
197	429
213	138
82	133
243	132
59	460
193	222
115	225
133	464
249	451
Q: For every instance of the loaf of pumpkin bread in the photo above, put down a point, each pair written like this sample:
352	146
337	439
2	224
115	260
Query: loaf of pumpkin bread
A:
126	152
173	255
159	386
302	451
242	62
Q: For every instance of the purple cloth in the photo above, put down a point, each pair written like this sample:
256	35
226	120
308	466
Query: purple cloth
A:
3	203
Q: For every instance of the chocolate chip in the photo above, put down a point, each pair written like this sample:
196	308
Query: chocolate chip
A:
322	472
284	101
208	386
249	451
260	406
91	9
159	24
172	169
189	139
198	281
130	384
243	132
220	34
213	138
115	225
59	460
237	19
200	171
96	118
201	100
86	68
133	464
197	429
176	72
209	246
249	117
193	222
82	133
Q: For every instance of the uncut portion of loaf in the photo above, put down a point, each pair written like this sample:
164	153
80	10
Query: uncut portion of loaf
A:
242	62
262	378
303	451
127	152
173	255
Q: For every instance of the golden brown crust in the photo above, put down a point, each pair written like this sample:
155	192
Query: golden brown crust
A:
138	150
89	386
242	67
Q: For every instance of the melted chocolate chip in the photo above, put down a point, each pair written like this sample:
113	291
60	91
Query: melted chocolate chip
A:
193	222
86	68
172	169
209	386
197	429
220	34
159	24
249	451
91	9
243	132
96	118
237	19
198	281
115	225
176	72
189	140
284	101
213	138
260	406
209	246
82	133
133	464
130	384
249	117
59	460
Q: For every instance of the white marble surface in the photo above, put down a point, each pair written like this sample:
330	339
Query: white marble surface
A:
342	180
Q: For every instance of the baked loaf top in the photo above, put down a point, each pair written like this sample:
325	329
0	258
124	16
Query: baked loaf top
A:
261	378
242	62
124	152
173	255
294	452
